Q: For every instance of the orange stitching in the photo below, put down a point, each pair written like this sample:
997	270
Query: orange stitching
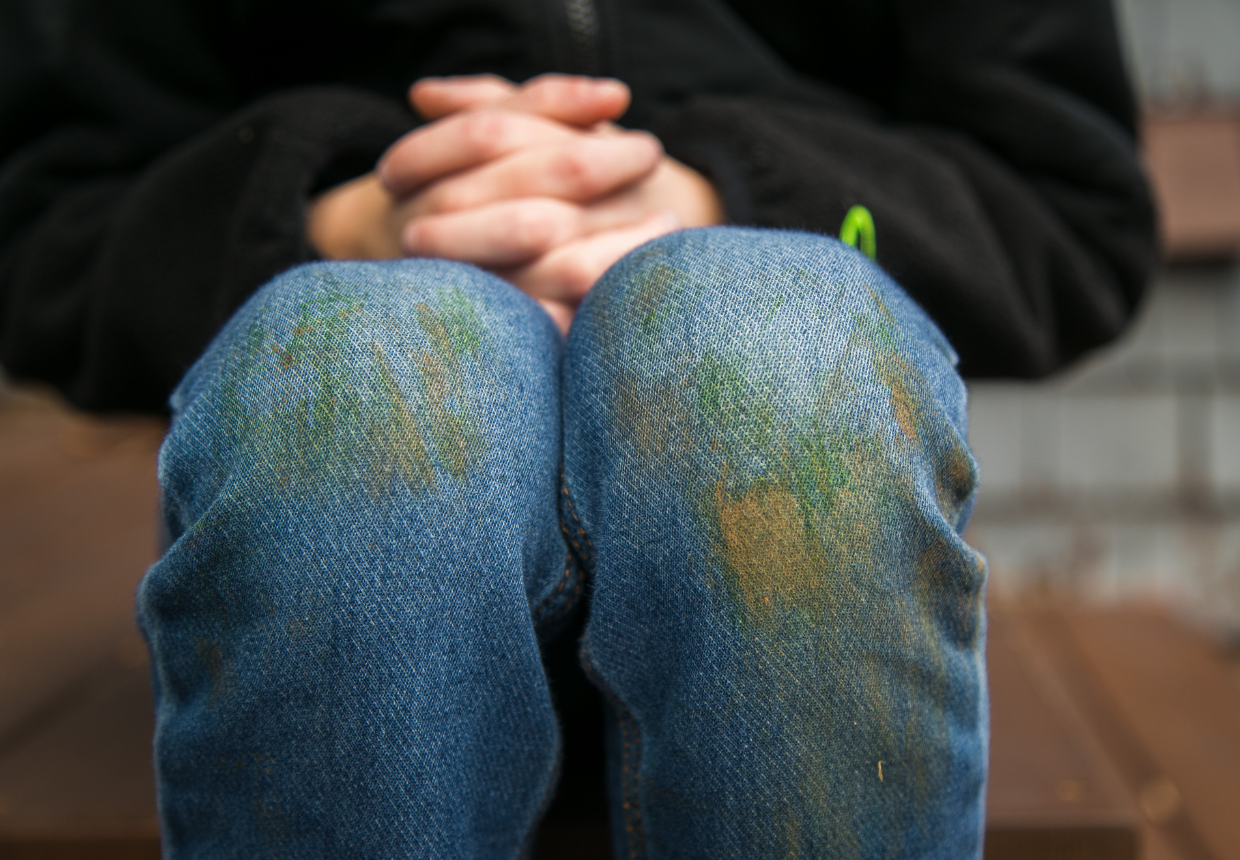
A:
550	597
568	537
573	510
629	774
566	605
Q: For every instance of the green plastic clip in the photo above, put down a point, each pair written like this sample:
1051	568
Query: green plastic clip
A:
858	231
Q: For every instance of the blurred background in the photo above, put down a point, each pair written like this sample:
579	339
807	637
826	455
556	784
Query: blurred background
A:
1109	510
1121	478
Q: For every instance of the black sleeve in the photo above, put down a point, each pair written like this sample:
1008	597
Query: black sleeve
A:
1003	176
104	291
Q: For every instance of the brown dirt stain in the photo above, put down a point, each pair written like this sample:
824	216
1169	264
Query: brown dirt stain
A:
650	414
902	405
956	477
400	436
768	550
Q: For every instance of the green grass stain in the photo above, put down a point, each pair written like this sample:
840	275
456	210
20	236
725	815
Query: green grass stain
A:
787	537
657	293
356	422
455	332
322	324
798	504
779	300
727	403
720	389
453	326
818	470
400	431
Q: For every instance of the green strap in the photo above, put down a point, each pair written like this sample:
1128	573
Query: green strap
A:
858	231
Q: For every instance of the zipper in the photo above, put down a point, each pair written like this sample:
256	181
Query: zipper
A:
582	19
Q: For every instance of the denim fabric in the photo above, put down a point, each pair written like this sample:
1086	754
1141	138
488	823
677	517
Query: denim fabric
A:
765	443
361	480
758	488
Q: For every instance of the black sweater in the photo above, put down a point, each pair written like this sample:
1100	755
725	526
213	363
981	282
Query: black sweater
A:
158	154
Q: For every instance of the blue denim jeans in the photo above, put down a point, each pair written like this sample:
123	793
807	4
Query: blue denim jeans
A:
389	484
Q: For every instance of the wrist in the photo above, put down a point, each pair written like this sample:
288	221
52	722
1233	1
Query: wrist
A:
354	221
707	206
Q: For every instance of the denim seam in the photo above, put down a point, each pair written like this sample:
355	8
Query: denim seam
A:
544	612
572	509
632	749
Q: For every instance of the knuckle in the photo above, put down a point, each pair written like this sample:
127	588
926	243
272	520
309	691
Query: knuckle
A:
485	132
580	169
449	197
529	229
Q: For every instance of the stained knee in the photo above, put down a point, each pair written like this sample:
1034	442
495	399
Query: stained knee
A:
789	395
373	376
745	335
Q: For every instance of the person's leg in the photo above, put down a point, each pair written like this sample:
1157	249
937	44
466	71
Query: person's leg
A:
766	469
361	483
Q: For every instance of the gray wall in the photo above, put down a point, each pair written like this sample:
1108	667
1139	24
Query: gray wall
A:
1121	478
1183	50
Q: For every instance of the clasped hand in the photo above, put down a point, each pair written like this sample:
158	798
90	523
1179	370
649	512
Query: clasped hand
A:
532	182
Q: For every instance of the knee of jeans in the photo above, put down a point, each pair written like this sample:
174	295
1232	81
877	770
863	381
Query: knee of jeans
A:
783	391
365	376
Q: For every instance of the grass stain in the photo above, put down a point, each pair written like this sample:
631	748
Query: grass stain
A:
399	433
657	293
355	415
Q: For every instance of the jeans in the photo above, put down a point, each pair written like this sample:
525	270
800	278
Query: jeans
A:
389	485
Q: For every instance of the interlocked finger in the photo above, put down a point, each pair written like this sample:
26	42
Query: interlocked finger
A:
463	141
502	234
433	98
571	99
567	273
577	170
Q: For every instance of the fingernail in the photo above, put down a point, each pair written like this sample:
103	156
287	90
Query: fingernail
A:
409	238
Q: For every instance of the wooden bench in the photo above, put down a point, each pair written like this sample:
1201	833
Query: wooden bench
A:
1110	728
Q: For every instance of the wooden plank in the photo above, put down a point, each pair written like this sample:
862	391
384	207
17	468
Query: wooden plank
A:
1180	698
82	785
77	530
1193	160
1052	792
78	507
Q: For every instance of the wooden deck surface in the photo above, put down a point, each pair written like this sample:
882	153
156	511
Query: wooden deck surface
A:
1115	731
